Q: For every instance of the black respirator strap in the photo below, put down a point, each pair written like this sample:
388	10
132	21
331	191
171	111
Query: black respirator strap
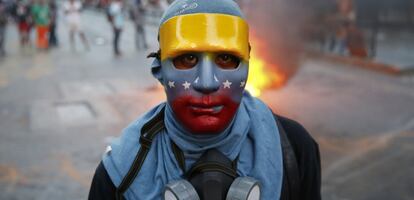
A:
148	132
211	167
179	156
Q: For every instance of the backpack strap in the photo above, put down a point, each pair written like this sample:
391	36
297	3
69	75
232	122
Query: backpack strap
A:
291	187
148	132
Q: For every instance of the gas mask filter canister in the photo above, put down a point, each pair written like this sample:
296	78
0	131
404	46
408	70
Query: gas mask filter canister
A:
213	177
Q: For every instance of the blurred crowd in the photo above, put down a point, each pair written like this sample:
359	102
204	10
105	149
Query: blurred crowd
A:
344	27
40	16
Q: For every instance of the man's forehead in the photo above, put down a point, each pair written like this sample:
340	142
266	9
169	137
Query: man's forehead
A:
204	32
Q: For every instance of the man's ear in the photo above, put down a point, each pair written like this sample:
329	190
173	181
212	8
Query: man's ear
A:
156	65
156	70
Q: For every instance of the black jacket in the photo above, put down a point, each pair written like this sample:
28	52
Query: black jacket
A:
306	155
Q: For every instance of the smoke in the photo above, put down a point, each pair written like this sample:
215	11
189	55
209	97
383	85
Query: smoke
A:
277	28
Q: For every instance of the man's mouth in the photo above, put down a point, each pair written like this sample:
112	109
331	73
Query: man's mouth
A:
206	110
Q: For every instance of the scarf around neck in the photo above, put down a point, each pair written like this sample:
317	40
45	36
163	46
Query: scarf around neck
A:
252	137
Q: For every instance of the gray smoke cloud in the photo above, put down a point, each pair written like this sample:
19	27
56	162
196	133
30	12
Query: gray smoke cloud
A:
278	25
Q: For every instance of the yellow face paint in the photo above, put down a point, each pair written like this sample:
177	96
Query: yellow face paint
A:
204	32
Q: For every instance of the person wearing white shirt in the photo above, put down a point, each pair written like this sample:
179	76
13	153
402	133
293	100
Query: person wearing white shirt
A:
72	9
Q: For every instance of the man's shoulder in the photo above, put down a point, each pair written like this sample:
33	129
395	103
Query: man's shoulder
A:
124	147
302	142
130	136
295	131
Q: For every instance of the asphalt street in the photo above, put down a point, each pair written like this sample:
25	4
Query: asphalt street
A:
59	109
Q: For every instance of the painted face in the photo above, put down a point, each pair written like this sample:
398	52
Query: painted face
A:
204	89
204	67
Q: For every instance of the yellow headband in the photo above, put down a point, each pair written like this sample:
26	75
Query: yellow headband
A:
204	32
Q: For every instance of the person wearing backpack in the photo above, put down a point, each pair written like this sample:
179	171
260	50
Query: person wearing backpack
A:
211	139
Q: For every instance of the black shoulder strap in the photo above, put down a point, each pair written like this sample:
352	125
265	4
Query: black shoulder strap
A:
148	132
290	165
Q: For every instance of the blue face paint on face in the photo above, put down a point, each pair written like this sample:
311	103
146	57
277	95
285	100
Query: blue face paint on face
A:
204	89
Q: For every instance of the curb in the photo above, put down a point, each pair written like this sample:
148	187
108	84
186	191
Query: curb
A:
361	63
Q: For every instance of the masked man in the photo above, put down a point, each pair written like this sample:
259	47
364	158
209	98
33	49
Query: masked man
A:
211	140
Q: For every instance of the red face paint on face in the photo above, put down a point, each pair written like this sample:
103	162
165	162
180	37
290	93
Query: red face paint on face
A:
206	115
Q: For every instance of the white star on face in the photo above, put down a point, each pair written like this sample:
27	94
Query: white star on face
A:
186	85
227	84
196	81
242	84
171	84
215	78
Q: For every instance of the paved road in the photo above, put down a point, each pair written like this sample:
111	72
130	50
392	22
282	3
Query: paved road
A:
59	109
364	123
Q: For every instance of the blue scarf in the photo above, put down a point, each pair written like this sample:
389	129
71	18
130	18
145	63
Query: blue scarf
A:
253	137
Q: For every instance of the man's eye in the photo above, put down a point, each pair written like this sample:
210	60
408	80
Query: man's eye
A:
227	61
186	61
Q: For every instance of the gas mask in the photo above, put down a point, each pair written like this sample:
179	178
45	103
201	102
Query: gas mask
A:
213	177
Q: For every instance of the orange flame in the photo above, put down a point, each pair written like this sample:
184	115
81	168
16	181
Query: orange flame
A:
262	75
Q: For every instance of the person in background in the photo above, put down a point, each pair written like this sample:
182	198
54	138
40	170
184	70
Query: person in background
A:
53	40
137	14
41	18
355	42
344	16
3	24
22	15
72	9
116	18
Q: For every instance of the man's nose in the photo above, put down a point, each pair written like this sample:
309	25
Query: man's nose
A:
206	80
